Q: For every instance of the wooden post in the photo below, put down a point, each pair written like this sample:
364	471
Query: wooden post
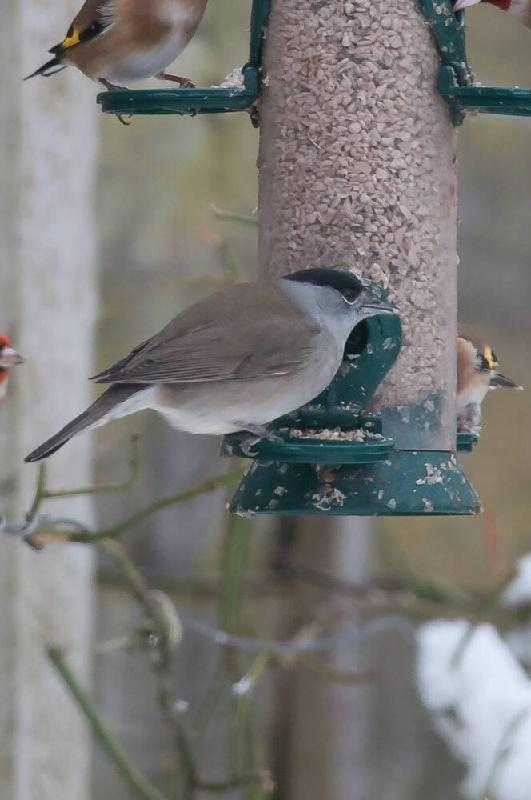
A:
48	142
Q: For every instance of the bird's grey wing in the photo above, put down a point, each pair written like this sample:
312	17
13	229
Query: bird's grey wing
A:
225	337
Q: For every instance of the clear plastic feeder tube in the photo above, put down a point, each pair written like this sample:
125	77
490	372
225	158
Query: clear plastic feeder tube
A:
358	168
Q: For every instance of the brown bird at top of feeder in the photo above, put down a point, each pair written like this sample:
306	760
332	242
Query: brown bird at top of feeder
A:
8	358
520	8
477	372
117	41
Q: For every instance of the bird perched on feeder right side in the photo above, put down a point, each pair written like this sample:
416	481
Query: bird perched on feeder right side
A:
8	358
477	372
520	8
237	360
117	41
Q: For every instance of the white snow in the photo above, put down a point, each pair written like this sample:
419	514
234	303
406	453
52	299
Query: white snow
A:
518	591
480	701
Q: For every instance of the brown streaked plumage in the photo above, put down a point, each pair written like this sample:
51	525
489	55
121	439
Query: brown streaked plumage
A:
477	372
117	41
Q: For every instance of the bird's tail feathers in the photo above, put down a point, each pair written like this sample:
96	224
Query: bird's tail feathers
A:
50	68
91	417
501	380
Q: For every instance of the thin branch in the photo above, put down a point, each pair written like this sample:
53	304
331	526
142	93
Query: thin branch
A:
243	690
229	262
234	563
129	772
39	491
121	486
160	618
114	531
233	216
334	674
43	493
84	536
231	784
116	644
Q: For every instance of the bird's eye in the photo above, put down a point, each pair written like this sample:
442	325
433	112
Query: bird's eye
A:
483	362
93	30
350	295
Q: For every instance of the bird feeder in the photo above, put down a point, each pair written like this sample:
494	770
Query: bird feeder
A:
455	80
357	167
199	100
336	455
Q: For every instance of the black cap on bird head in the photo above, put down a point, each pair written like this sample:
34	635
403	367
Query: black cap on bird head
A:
346	283
339	279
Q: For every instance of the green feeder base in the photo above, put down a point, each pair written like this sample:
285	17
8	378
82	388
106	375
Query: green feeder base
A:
406	483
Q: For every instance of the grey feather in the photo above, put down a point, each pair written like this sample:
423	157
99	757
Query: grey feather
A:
102	406
222	338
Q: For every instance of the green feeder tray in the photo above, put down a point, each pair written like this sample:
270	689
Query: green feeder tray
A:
330	457
207	100
456	81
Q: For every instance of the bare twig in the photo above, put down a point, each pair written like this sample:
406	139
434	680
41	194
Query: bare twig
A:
334	674
129	772
43	493
233	216
158	615
244	749
35	534
234	563
114	531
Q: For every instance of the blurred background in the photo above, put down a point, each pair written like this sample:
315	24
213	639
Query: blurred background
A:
342	724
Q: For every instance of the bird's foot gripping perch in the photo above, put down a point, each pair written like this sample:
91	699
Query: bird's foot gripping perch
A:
185	83
111	87
251	437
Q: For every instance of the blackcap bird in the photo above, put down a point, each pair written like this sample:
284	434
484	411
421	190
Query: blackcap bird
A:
117	41
8	358
237	360
477	372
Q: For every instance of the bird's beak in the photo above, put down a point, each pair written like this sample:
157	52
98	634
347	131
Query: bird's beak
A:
9	358
460	5
501	380
371	304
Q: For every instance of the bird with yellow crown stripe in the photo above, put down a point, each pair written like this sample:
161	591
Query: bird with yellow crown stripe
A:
477	372
117	41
